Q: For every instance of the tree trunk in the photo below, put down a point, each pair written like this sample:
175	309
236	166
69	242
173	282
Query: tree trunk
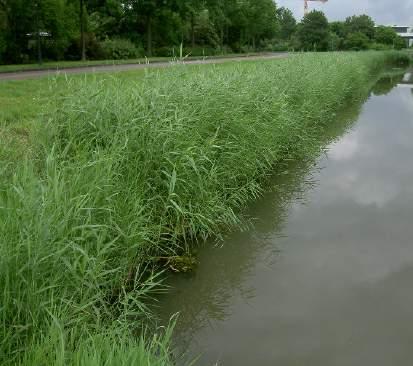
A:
39	48
192	31
39	39
82	31
149	36
222	37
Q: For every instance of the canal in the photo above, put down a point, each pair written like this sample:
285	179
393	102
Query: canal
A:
324	275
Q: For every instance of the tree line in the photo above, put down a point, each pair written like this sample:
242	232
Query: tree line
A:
355	33
120	29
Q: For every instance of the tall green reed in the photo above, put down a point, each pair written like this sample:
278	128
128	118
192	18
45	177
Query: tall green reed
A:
125	170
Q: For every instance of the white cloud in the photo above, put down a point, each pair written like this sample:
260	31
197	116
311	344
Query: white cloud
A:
345	148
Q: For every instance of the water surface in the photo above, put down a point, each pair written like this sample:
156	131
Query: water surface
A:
324	277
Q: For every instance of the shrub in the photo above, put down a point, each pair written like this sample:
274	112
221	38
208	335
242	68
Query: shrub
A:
197	51
93	48
400	43
247	49
357	41
119	49
200	51
379	46
313	32
166	51
273	45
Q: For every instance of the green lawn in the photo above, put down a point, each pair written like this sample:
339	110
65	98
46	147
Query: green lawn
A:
25	103
72	64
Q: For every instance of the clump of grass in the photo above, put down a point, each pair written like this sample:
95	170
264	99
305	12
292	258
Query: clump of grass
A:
124	171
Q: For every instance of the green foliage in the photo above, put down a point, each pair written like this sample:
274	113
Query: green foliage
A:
114	347
335	42
197	51
356	41
259	19
338	28
25	20
104	18
388	36
379	46
205	27
3	31
313	32
385	35
155	24
275	45
287	23
359	33
120	49
360	24
400	43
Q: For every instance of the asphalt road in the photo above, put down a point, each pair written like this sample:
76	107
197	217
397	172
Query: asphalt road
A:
21	75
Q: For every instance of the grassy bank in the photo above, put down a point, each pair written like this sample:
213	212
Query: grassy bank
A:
121	171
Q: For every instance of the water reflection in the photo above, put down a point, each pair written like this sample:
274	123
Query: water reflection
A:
224	267
323	276
387	82
407	80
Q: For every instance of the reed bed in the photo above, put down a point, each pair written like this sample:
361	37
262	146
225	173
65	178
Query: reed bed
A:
123	171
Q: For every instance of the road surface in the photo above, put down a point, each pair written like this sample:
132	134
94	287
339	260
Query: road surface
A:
20	75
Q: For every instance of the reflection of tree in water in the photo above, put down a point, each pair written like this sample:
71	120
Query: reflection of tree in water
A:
223	271
387	83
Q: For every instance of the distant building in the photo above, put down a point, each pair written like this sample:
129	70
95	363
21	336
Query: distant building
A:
404	31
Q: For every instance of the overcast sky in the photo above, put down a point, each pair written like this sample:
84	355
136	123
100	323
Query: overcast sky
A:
382	11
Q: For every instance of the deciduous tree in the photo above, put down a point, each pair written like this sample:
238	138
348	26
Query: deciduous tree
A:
287	23
313	32
360	23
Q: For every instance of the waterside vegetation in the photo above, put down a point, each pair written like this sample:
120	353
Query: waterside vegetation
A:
117	172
